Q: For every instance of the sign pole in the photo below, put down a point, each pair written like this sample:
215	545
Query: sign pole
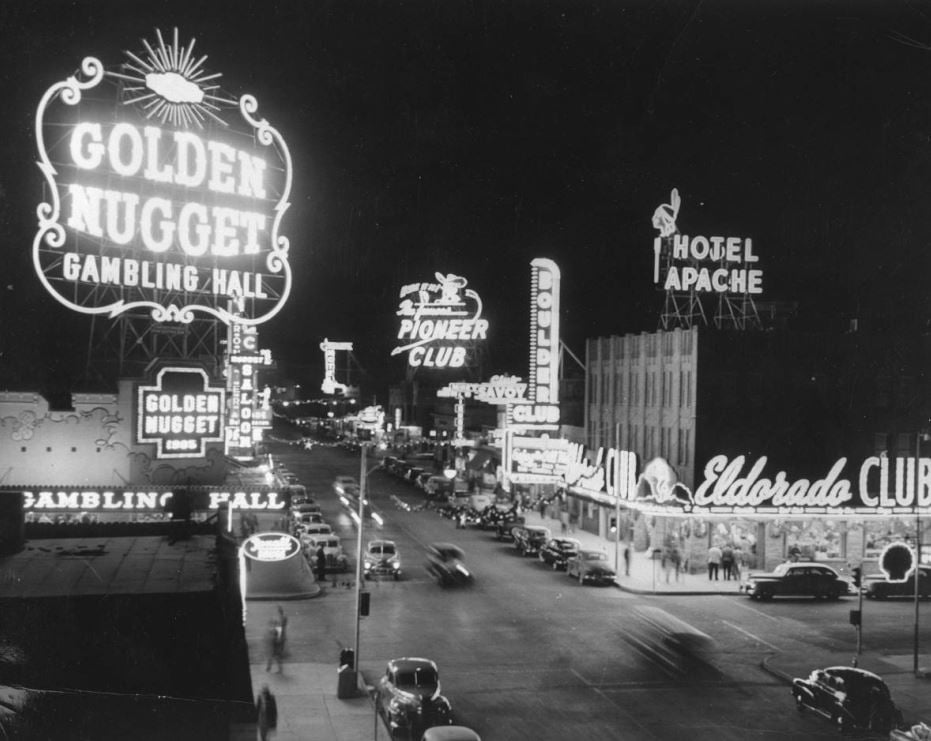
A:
355	660
916	572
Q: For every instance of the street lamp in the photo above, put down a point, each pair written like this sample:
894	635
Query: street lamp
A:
364	471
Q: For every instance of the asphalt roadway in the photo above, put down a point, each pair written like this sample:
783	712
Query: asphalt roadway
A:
528	654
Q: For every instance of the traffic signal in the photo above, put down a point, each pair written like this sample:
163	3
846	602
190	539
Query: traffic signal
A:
857	573
613	525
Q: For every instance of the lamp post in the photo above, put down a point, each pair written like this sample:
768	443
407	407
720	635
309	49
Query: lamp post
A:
363	473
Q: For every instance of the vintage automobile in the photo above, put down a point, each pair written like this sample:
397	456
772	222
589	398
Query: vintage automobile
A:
876	586
590	567
798	579
450	733
332	550
381	558
557	551
345	485
437	486
528	539
313	528
444	563
506	524
849	697
407	697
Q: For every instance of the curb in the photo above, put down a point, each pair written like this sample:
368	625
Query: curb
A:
779	674
680	592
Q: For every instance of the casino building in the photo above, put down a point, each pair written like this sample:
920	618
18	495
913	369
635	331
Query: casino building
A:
775	441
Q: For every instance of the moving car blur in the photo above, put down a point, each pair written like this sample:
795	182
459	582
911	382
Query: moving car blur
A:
445	564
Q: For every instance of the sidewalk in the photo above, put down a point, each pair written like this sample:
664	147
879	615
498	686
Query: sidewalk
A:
306	691
647	575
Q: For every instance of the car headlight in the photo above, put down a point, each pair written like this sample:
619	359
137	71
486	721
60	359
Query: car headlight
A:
462	569
396	565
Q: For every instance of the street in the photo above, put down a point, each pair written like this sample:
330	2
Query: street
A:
527	653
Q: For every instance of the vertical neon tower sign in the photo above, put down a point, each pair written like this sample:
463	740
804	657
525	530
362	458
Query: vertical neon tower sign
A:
543	377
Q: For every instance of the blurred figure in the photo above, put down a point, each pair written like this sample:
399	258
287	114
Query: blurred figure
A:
266	708
274	648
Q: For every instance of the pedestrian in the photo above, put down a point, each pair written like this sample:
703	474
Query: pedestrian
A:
283	628
266	708
738	562
542	507
626	560
727	561
714	562
273	646
675	558
563	522
320	564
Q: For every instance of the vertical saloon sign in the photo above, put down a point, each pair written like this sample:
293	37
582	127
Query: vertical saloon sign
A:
164	194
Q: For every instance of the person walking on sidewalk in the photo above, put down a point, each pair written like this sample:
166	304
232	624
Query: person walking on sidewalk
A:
282	628
266	708
274	648
320	565
727	561
714	562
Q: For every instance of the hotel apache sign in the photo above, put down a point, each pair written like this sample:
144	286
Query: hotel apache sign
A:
717	265
180	413
439	321
166	195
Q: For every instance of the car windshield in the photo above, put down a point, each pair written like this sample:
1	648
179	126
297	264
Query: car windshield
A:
424	676
594	556
385	549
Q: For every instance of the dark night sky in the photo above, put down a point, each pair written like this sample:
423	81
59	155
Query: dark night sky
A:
470	137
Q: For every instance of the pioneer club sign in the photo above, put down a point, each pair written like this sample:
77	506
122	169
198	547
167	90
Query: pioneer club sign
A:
439	322
166	195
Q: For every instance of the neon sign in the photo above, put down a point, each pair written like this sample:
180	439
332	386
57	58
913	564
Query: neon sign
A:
330	385
146	501
180	413
543	387
734	256
271	546
166	208
249	407
437	319
500	389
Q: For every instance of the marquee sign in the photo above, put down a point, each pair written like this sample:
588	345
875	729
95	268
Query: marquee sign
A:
715	265
166	195
180	413
543	383
249	409
438	321
537	459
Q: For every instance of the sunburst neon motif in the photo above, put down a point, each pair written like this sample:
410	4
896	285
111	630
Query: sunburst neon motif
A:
171	86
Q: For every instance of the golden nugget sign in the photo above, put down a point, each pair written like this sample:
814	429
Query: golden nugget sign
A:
438	320
125	500
169	202
180	413
702	264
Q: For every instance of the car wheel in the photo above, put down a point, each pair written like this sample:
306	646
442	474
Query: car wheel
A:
397	576
799	705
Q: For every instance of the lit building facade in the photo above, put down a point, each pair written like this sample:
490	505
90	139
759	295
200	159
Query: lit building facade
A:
805	407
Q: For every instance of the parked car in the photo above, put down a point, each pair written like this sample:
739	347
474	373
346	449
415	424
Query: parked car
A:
591	567
528	539
445	564
345	485
437	486
506	524
302	520
450	733
557	551
849	697
876	586
407	697
798	579
381	558
332	550
314	528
